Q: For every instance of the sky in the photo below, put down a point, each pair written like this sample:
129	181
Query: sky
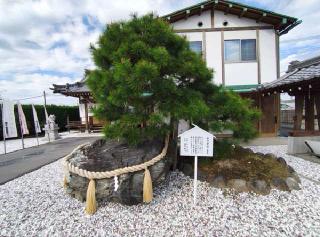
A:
45	42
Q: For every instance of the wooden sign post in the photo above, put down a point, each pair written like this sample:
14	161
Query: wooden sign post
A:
198	143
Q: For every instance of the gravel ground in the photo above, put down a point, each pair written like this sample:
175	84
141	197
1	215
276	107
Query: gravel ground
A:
35	205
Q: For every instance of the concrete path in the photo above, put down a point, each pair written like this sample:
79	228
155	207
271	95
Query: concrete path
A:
18	163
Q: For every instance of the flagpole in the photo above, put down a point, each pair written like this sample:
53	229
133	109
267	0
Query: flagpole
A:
21	122
37	133
21	129
3	131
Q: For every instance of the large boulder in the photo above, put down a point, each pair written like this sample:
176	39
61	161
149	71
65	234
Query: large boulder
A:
110	155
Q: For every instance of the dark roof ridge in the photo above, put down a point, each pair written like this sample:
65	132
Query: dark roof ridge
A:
306	63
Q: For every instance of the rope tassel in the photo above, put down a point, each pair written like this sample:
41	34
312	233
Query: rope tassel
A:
65	181
147	187
91	204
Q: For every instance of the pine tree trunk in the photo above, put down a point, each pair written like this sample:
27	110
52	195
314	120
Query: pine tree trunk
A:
173	146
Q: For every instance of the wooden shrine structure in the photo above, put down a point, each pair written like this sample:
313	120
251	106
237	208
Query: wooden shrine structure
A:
302	81
79	90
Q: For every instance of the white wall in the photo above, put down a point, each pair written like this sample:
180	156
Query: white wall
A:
194	36
233	20
192	22
242	73
268	57
213	55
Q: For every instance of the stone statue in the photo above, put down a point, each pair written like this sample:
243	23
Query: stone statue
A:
51	129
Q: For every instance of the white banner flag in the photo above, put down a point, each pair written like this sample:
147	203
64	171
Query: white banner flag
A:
22	119
36	120
9	119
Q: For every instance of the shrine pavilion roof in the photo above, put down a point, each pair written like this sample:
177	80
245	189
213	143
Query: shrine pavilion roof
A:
305	73
77	89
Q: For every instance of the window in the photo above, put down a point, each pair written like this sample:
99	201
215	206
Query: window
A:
232	50
196	46
240	50
248	50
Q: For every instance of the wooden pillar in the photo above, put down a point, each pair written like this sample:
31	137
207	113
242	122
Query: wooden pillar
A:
298	111
86	115
260	108
309	112
222	58
317	102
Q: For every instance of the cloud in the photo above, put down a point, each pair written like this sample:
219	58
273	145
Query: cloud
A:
47	41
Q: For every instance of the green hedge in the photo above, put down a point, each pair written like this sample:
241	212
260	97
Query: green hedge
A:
61	113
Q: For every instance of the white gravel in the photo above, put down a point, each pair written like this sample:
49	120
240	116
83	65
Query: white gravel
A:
35	205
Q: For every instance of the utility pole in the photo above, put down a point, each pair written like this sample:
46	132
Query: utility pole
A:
3	126
45	98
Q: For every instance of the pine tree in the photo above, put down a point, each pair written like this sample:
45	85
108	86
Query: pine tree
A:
147	78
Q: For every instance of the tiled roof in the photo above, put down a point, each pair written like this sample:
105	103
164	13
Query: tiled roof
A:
301	71
78	87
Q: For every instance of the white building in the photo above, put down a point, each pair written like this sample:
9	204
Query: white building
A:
241	44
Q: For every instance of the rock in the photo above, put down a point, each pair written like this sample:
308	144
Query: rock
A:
239	185
271	156
260	154
290	169
202	175
117	155
187	169
279	183
292	184
282	161
259	186
218	181
296	177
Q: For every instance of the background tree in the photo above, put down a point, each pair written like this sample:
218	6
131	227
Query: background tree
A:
147	78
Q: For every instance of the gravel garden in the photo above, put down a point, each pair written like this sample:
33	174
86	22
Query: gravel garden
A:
36	205
147	81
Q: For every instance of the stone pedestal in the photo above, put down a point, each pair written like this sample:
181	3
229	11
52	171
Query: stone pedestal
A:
296	145
51	132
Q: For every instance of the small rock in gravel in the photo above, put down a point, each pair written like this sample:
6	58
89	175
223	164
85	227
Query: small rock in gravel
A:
219	181
292	184
296	177
239	185
290	169
280	184
259	186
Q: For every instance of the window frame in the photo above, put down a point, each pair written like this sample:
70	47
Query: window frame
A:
197	41
240	52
